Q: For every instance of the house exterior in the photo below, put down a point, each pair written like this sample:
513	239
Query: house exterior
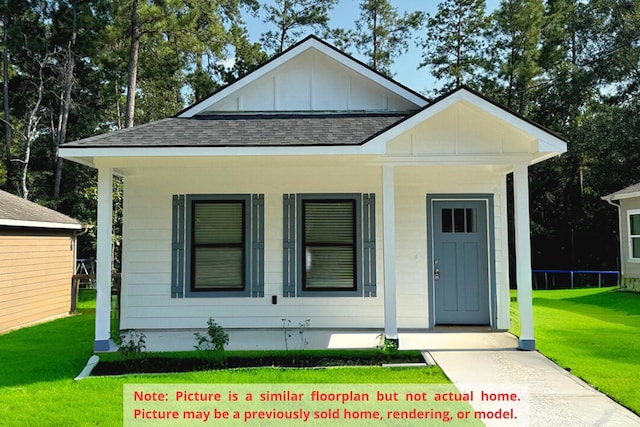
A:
627	201
316	188
37	262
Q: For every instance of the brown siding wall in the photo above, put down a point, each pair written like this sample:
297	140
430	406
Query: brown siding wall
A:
35	277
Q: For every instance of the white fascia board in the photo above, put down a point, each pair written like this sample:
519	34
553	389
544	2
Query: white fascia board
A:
114	152
311	43
39	224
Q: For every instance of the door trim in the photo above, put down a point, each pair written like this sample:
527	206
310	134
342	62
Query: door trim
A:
489	203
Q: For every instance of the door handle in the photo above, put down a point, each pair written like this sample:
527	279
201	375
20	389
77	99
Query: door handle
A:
436	274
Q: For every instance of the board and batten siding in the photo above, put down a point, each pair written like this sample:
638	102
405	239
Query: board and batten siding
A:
35	277
146	298
312	82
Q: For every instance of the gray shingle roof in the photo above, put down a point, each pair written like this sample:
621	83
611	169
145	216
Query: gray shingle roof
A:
620	194
248	130
15	211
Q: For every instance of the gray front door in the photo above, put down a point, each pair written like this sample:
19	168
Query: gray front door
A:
460	262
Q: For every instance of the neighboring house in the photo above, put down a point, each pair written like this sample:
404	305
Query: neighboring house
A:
627	201
37	262
316	188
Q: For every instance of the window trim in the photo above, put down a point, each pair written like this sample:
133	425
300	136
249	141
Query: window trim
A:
631	213
191	200
301	199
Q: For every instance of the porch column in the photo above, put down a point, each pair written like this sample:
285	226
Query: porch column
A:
103	259
389	253
523	255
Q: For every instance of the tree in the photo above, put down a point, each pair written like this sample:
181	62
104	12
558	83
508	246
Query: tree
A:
291	18
516	37
382	34
455	41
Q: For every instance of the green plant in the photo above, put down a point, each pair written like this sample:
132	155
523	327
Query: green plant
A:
303	325
215	339
133	349
387	345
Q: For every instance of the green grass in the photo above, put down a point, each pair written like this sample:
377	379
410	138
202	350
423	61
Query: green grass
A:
38	365
594	333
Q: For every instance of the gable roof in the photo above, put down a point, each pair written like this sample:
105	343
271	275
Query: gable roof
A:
308	44
18	212
548	144
625	193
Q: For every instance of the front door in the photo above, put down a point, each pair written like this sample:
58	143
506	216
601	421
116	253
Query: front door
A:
460	262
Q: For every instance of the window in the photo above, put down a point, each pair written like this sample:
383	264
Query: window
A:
458	220
634	234
329	245
218	247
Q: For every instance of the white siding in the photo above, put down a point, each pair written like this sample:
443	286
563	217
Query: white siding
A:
146	301
630	267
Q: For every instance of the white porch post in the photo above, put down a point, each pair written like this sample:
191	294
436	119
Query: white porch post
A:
523	255
389	253
103	259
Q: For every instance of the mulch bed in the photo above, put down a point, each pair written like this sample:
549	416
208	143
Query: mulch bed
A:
160	364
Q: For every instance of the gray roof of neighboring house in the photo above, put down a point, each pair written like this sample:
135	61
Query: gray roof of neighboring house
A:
630	191
18	212
236	130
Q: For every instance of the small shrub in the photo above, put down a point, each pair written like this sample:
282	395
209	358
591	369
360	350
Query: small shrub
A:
303	325
133	349
387	345
212	343
215	339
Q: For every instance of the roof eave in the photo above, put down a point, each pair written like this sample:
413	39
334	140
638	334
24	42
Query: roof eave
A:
41	224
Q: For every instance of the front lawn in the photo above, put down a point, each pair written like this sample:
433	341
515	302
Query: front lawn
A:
40	362
594	333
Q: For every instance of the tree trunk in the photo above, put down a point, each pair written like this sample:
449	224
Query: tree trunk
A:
65	105
30	134
133	67
5	88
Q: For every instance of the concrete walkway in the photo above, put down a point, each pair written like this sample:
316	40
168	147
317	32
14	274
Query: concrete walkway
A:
555	397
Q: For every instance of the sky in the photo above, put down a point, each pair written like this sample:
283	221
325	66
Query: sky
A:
405	66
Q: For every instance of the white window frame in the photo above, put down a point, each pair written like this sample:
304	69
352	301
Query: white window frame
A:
630	256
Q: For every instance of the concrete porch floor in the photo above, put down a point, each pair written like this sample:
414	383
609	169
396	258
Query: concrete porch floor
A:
317	339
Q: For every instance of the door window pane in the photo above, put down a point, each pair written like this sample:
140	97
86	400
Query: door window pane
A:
447	220
458	220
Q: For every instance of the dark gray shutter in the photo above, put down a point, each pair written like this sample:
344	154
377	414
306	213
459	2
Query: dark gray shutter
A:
289	246
369	244
257	245
177	247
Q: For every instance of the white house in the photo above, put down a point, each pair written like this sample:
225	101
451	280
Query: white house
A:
627	201
316	188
